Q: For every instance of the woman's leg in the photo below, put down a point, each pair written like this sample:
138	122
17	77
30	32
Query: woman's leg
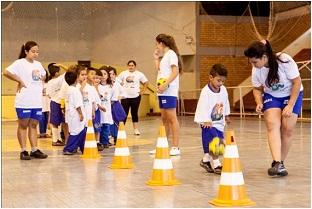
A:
32	134
288	126
134	105
22	132
272	118
173	125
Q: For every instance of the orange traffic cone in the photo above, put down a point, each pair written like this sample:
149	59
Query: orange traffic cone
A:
232	190
122	158
163	174
90	148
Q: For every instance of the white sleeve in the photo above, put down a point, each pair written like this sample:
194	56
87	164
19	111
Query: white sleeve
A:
76	99
14	68
227	109
115	92
290	67
201	113
255	79
143	78
42	70
120	77
173	59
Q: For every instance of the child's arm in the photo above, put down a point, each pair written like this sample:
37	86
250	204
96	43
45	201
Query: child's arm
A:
80	113
157	59
101	107
61	66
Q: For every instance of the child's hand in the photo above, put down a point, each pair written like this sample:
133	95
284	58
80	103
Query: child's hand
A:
206	125
259	108
81	117
227	119
161	88
20	86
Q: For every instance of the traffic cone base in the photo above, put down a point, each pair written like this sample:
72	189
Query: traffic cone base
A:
122	162
162	174
232	190
162	177
90	150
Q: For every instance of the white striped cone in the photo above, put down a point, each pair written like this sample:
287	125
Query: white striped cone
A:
163	173
232	190
122	158
90	147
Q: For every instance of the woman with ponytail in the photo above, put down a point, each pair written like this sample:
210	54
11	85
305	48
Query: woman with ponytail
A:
278	93
29	74
169	66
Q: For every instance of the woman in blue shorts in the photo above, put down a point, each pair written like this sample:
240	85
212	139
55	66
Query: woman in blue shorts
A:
278	93
29	74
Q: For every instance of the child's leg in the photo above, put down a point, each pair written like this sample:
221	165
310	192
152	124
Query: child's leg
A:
82	139
73	142
105	133
42	124
32	134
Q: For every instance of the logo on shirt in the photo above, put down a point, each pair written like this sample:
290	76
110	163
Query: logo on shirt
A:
217	112
36	75
276	85
85	97
130	79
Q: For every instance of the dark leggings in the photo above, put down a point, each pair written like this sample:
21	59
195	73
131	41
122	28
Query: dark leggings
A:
134	104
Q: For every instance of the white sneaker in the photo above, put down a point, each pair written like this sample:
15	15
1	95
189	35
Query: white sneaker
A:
152	152
175	151
136	132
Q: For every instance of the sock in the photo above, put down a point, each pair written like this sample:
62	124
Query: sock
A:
216	163
206	158
54	134
23	149
33	149
59	129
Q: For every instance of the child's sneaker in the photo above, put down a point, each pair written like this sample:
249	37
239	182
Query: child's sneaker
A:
175	151
152	152
58	143
100	147
277	169
68	153
218	170
24	155
38	154
207	166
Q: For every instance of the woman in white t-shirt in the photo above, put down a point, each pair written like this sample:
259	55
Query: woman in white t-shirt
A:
278	93
169	68
130	80
29	74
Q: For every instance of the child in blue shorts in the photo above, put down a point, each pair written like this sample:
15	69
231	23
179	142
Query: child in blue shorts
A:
212	113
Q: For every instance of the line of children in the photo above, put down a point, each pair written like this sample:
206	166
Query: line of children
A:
212	114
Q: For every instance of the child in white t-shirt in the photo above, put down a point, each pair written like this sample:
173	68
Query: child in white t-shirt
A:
43	123
212	113
29	74
130	80
75	115
106	93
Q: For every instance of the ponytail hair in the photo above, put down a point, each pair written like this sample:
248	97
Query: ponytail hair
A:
26	47
169	41
259	48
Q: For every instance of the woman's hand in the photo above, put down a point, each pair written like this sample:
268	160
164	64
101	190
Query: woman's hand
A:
20	86
259	108
287	111
156	54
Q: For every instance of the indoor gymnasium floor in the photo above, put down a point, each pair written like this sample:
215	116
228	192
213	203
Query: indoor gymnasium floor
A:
70	181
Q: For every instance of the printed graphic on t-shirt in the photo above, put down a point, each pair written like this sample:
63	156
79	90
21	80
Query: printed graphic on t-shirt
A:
276	85
130	82
217	112
85	98
104	98
36	75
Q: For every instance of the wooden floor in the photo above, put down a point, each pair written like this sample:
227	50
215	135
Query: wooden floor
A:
69	181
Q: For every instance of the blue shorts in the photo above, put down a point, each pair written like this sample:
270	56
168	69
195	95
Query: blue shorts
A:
274	102
208	134
33	113
167	102
56	114
97	121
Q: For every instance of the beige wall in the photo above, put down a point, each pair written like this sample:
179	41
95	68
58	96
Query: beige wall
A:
129	29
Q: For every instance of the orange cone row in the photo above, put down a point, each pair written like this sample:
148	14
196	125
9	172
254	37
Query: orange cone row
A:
90	148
